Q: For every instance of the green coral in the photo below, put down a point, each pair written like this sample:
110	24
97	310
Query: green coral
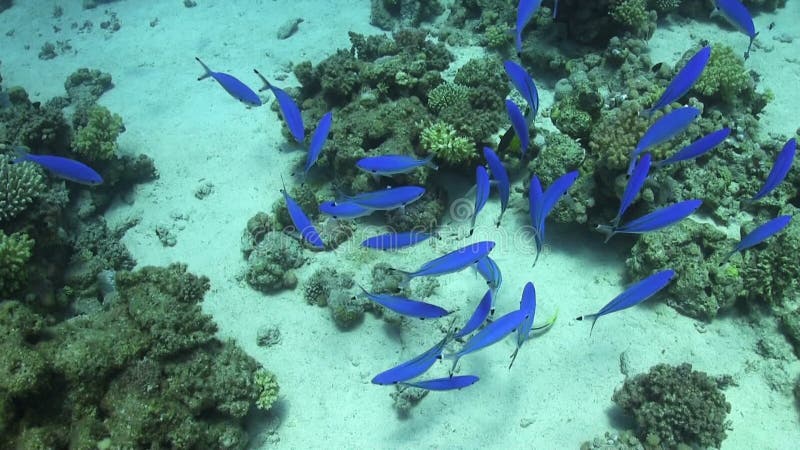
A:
666	5
441	139
570	119
629	12
97	140
497	36
771	272
20	184
446	94
268	387
674	406
725	77
15	251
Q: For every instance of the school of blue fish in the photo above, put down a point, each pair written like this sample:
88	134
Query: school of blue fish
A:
481	330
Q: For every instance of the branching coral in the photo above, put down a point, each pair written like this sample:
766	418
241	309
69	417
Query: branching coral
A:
725	78
97	140
441	139
20	184
446	94
15	250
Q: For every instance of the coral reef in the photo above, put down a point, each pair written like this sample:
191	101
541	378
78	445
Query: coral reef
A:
270	264
725	78
85	86
336	290
675	405
267	384
441	139
15	250
97	139
393	14
20	185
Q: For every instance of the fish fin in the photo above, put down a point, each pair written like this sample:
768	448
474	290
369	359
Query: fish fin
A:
545	326
608	230
513	357
263	80
205	67
404	283
429	162
22	154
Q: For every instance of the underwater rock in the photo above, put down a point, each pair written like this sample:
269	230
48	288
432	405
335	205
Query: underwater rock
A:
270	264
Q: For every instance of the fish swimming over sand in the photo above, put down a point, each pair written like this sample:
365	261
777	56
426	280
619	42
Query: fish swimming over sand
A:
289	109
232	85
739	17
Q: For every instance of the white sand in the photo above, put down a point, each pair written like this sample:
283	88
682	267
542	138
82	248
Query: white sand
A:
558	393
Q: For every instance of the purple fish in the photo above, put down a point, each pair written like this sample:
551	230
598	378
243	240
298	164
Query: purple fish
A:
683	80
344	210
634	295
664	129
519	124
739	17
697	148
528	306
318	140
500	176
478	316
289	110
65	168
395	241
481	194
525	11
407	307
635	183
414	367
760	234
524	84
388	165
444	384
659	218
390	198
232	86
779	170
301	221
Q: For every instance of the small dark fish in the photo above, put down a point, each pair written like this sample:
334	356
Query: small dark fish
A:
697	148
65	168
527	305
634	295
737	15
344	210
452	262
388	165
301	221
318	140
390	198
395	241
771	26
414	367
664	129
760	234
783	163
659	218
635	183
656	67
406	306
478	316
519	124
683	80
500	176
525	11
506	139
481	194
232	86
444	384
524	84
289	109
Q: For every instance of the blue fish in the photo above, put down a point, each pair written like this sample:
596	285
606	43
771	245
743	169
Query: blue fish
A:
760	234
634	295
697	148
528	306
659	218
555	9
388	165
414	367
524	84
489	335
289	110
301	221
390	198
344	210
683	80
519	124
481	194
490	272
318	140
779	170
452	262
500	176
444	384
395	241
525	11
635	183
664	129
406	306
739	17
232	86
65	168
542	203
478	316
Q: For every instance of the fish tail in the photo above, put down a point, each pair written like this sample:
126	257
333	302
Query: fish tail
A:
593	317
513	357
406	280
429	162
263	80
22	154
608	230
205	67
